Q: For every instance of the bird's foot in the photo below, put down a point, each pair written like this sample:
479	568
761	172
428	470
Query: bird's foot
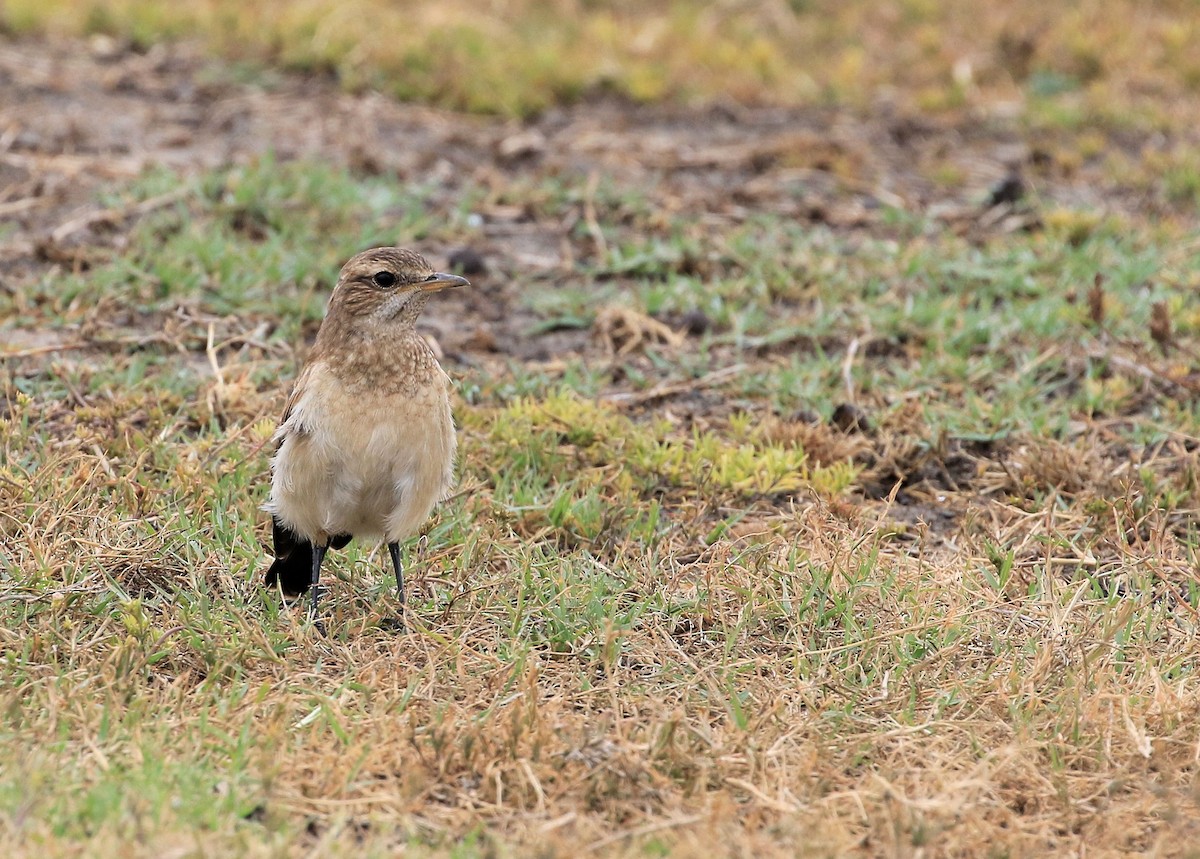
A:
393	624
318	623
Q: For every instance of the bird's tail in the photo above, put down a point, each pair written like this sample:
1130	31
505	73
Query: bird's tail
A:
292	568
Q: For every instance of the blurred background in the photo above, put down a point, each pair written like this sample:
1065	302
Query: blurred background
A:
1115	58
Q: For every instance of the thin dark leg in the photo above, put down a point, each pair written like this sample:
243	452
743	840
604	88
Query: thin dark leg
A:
318	557
394	551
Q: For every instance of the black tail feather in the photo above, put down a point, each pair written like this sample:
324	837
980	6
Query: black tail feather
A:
292	568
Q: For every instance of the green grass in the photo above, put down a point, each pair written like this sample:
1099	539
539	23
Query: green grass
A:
629	624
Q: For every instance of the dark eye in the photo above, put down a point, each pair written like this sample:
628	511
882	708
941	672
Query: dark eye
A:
384	279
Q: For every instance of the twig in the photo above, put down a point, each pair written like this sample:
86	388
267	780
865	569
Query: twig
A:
83	221
43	350
114	343
211	352
848	368
14	206
71	165
660	392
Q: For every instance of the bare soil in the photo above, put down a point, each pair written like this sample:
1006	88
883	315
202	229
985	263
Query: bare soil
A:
77	116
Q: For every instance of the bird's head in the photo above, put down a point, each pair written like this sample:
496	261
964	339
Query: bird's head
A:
388	285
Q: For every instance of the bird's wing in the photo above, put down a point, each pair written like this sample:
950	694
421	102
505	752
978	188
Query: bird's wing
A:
289	424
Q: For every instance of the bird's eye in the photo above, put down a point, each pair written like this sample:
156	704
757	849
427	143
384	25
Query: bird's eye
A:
384	279
432	277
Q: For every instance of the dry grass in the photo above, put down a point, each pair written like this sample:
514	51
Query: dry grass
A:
865	525
818	675
819	680
521	55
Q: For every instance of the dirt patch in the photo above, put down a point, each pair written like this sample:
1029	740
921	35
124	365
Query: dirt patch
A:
76	116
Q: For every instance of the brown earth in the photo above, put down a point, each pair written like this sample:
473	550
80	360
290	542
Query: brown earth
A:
74	116
77	116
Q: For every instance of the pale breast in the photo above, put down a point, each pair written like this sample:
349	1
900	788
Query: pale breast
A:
364	462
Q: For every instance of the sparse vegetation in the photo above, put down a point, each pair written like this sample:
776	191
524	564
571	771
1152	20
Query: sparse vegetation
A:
810	503
520	56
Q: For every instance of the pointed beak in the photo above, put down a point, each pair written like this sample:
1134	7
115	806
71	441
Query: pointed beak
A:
439	281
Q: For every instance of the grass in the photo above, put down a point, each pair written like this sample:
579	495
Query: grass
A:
631	630
774	535
1090	63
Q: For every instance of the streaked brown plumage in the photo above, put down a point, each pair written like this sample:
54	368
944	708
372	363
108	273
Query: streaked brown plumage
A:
366	444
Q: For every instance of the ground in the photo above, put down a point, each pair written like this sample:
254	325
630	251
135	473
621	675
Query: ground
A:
828	479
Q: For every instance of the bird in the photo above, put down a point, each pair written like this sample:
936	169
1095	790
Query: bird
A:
365	448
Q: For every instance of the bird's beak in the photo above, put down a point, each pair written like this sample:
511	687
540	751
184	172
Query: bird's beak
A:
439	280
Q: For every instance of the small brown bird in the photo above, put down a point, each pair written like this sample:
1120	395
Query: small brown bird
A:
366	444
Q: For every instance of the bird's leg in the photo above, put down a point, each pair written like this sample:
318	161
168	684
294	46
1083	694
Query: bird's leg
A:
394	551
318	556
